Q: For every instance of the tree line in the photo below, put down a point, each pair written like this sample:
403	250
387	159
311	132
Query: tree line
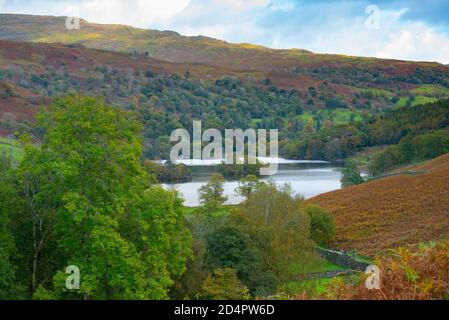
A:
389	128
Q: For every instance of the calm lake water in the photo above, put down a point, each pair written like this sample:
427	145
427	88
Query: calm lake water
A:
307	178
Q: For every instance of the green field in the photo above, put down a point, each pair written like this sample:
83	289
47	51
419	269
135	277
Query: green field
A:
431	90
418	100
11	148
337	116
423	100
313	288
378	92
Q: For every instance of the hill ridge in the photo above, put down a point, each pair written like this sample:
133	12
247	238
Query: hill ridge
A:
165	45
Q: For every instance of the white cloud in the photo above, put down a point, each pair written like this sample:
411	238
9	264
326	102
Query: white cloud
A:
213	31
139	13
394	39
323	27
242	5
417	42
282	6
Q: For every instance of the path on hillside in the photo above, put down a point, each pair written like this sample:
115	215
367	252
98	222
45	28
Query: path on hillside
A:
401	173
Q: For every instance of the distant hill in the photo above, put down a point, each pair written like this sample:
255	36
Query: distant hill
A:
163	45
171	79
293	68
394	211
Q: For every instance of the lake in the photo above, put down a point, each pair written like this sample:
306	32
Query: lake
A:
307	178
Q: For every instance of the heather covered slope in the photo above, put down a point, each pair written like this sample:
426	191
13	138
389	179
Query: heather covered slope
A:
317	120
164	45
327	81
73	68
316	101
170	46
394	211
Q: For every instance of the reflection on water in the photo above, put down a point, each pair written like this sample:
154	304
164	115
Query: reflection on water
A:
306	178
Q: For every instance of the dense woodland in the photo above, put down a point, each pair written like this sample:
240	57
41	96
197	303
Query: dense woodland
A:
318	123
412	148
86	194
83	198
376	130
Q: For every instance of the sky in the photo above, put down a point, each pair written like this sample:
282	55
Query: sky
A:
410	30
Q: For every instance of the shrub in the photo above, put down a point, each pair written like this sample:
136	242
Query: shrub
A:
228	247
223	284
322	225
351	175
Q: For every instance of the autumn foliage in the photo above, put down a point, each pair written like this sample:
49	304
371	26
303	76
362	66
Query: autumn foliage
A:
392	212
420	274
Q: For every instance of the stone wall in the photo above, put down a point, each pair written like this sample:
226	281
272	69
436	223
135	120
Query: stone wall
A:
343	259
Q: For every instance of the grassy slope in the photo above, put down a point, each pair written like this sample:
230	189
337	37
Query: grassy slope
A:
394	211
10	147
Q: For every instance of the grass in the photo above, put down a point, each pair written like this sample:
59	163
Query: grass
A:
378	92
329	266
402	102
423	100
361	258
418	100
254	122
343	116
69	37
337	116
296	269
313	288
11	147
306	118
431	90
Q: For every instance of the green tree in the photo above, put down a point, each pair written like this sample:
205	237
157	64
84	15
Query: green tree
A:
279	228
248	185
223	284
383	161
98	149
229	247
127	238
211	194
351	175
9	288
322	225
40	186
407	149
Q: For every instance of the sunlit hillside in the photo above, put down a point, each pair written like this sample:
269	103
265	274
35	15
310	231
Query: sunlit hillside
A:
406	208
295	68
